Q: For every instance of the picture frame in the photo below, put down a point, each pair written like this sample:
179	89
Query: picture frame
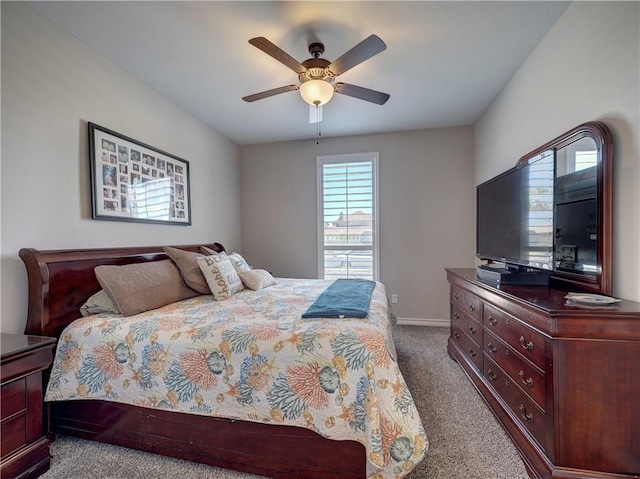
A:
133	181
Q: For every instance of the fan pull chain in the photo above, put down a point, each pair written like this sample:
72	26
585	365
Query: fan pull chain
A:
318	132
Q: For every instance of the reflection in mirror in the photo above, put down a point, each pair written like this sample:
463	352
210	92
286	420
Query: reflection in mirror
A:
579	155
538	242
582	207
576	225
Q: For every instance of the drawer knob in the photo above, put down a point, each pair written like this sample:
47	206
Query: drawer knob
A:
456	335
527	382
491	375
525	345
492	348
472	307
472	353
472	330
456	296
527	416
493	321
456	315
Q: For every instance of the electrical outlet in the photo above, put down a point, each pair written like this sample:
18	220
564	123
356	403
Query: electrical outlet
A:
394	298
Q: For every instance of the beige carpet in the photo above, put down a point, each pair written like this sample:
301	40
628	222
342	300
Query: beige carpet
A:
465	440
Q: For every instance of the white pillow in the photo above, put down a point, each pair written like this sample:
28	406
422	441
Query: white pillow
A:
257	279
98	303
238	262
220	275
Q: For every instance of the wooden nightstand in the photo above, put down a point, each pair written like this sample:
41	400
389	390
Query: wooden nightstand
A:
24	448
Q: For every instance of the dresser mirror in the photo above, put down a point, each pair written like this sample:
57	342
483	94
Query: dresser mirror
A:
582	207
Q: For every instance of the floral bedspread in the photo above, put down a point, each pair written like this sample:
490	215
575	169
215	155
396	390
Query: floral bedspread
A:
252	357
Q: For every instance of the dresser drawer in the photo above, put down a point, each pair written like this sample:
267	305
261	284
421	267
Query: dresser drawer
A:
14	398
24	447
471	350
521	371
467	302
13	434
468	324
527	412
528	342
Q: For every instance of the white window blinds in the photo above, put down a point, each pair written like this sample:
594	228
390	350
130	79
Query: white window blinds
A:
347	206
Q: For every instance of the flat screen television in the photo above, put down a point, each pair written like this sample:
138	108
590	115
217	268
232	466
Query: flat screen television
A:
514	222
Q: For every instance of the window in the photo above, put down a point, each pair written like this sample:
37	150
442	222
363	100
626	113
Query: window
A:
348	216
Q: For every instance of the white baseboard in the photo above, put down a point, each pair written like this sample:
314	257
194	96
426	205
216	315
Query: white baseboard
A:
443	323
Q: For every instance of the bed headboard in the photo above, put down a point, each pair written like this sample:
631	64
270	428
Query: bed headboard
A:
60	281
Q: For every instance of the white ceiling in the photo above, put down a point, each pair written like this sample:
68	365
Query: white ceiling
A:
444	64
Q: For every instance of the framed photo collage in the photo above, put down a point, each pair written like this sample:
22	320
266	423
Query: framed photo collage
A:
132	181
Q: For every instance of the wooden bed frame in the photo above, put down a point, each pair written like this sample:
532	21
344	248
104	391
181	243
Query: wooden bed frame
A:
60	282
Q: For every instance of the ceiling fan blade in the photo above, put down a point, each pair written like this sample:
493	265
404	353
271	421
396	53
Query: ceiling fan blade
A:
268	93
362	93
364	50
276	52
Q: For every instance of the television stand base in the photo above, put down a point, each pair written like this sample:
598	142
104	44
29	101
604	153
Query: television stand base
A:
498	276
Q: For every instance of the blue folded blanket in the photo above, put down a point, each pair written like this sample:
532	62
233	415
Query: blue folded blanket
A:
344	298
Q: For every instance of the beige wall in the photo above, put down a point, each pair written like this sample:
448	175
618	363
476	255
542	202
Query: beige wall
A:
586	68
52	85
427	215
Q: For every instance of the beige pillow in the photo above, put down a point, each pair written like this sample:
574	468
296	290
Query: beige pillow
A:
221	276
98	303
139	287
187	263
257	279
238	262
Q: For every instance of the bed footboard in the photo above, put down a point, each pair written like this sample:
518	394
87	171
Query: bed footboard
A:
281	452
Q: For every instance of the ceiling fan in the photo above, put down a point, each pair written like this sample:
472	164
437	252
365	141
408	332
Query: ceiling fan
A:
317	75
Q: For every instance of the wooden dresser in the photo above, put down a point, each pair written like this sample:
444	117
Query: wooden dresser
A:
564	381
24	447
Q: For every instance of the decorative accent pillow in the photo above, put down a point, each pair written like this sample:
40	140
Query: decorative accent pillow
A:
238	262
257	279
98	303
187	263
139	287
220	275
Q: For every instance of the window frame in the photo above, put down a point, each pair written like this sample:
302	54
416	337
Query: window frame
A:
375	247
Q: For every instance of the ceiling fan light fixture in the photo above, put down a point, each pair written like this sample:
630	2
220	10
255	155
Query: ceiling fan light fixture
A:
316	92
